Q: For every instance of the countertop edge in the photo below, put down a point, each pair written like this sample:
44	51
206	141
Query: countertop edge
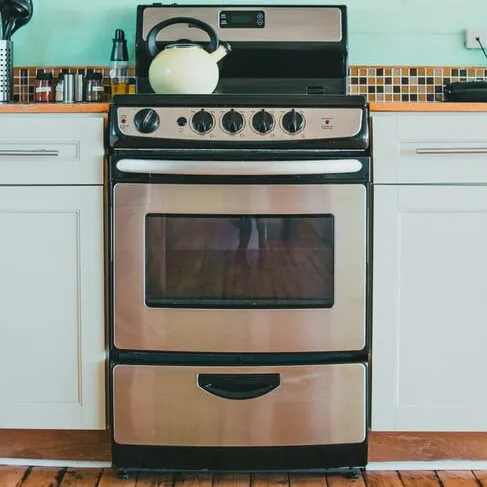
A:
54	108
374	107
426	107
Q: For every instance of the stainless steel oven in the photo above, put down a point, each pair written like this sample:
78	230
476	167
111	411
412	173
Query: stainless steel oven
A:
239	228
239	282
241	268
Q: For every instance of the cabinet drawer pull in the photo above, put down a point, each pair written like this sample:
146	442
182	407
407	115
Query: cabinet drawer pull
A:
453	150
29	153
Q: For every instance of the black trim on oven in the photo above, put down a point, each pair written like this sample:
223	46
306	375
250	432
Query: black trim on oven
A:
240	459
204	303
134	357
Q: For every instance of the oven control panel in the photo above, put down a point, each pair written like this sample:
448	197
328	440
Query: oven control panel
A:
239	124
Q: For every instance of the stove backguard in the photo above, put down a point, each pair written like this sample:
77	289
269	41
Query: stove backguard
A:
296	50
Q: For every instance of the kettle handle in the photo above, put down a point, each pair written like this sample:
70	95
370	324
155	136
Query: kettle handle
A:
152	35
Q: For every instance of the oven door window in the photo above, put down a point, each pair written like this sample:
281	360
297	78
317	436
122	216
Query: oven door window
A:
241	261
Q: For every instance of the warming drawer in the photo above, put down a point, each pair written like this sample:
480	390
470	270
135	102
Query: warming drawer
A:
239	406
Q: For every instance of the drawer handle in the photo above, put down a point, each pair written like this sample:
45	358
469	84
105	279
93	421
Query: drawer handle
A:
239	386
29	153
453	150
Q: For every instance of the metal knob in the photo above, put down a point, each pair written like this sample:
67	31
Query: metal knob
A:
293	122
147	121
202	122
233	121
263	122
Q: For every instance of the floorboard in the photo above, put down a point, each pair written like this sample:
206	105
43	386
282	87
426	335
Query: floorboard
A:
154	480
96	477
12	477
231	480
269	480
481	476
419	479
44	477
383	479
109	478
297	480
194	480
457	478
86	477
340	480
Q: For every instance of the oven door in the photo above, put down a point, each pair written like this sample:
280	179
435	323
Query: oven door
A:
239	268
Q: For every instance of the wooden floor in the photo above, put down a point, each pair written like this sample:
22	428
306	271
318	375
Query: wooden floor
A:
54	477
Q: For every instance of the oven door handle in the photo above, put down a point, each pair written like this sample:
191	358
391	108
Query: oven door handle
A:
239	386
239	168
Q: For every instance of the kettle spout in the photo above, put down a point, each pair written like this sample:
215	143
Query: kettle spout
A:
223	49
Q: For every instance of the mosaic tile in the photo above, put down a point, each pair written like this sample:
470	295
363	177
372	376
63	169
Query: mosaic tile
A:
414	83
381	83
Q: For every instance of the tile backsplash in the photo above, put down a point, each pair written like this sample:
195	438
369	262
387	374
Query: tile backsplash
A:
377	83
408	83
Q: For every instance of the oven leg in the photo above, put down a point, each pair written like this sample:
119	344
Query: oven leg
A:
124	474
353	474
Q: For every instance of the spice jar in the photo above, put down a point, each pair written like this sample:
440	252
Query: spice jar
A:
94	90
43	87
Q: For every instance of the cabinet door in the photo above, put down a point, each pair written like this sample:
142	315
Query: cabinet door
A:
52	351
429	359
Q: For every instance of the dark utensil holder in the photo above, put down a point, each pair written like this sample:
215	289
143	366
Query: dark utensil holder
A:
6	71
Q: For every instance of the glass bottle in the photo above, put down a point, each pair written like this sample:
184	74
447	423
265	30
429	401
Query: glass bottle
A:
43	87
119	64
94	90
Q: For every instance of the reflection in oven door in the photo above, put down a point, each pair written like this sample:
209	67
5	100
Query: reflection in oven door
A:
239	268
245	261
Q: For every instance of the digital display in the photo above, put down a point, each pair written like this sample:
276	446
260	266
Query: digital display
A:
238	19
241	19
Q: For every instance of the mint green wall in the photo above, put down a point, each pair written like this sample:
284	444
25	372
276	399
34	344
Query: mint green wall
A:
69	32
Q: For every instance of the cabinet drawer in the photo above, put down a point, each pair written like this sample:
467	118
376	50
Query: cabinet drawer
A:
430	148
239	406
51	149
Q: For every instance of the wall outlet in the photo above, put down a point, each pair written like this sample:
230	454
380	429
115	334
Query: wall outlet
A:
471	38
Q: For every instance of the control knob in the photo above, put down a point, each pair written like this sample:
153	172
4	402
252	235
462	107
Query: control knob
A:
147	121
202	122
293	122
233	122
263	122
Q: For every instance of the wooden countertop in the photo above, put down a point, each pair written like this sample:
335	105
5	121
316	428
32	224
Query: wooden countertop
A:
427	107
54	108
374	107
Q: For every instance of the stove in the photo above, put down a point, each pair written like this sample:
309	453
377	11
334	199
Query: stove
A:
239	222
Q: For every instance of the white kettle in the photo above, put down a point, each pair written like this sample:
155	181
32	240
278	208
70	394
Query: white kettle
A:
185	67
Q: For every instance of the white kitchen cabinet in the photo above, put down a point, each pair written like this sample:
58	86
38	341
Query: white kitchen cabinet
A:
429	333
52	318
51	149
